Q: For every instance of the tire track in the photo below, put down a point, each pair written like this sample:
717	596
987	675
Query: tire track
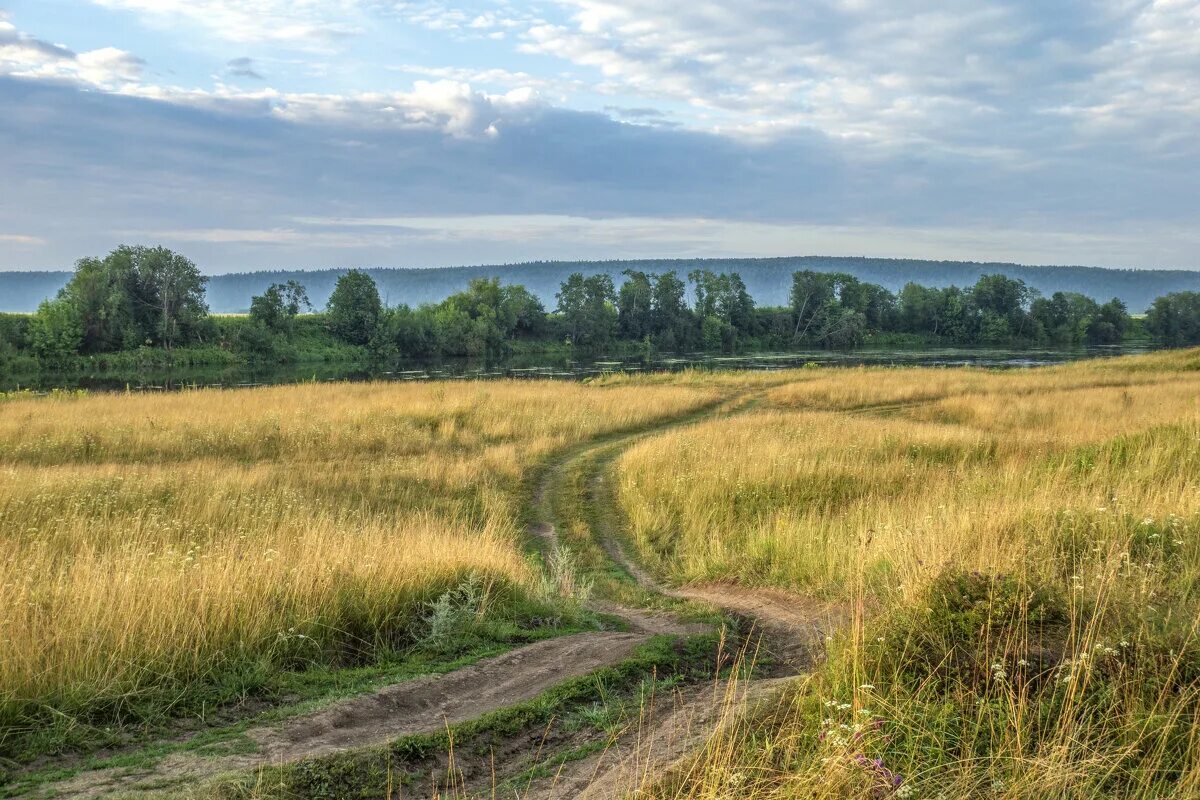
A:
789	628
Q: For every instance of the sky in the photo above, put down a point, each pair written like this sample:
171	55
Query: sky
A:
261	134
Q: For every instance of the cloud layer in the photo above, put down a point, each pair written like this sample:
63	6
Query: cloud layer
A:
513	130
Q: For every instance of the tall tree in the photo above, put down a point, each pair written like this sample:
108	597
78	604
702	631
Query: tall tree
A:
635	305
525	309
355	308
276	309
587	307
1000	304
103	293
812	292
1109	325
671	320
170	291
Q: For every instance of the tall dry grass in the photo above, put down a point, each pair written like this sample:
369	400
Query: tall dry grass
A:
1026	544
933	467
155	547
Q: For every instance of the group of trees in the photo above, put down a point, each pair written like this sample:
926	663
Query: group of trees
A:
133	297
836	309
827	310
138	296
1174	319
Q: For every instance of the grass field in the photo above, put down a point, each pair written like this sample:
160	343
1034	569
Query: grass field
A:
1019	552
164	553
1023	551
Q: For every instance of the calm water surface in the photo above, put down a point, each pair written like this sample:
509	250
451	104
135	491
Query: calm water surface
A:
550	367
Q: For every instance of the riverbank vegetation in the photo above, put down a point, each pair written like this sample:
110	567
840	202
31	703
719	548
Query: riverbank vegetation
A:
145	307
1022	549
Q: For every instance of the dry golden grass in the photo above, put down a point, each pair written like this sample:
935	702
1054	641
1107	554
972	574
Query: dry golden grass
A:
1028	542
934	467
153	545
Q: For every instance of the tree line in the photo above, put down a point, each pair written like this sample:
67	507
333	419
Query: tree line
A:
152	297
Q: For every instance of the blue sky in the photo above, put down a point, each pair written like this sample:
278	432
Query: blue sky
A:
311	133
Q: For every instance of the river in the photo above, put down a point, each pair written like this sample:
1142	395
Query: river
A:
533	366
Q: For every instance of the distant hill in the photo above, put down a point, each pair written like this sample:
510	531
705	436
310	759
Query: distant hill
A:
22	291
768	279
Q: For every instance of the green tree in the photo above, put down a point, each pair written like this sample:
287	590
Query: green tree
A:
526	311
103	293
1000	304
413	332
1109	325
840	326
717	334
724	297
918	309
276	309
136	296
837	309
56	330
733	303
635	305
1064	316
169	294
587	307
875	303
671	321
354	308
483	319
1174	319
812	295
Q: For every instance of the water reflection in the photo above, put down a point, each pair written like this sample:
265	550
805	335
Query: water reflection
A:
535	366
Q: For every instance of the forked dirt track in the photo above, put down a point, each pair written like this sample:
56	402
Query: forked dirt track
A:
789	630
792	632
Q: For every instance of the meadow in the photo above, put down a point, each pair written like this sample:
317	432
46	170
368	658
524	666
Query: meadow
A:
1021	555
1018	553
163	554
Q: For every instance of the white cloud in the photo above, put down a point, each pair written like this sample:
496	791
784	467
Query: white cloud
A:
965	76
21	239
451	107
316	23
448	106
23	55
1144	84
940	116
495	76
109	66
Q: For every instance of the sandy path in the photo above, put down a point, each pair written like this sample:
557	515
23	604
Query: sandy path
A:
792	627
791	631
422	705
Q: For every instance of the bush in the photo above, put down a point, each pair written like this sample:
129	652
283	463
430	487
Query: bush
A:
56	331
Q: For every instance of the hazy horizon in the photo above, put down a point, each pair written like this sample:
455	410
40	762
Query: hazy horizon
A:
68	268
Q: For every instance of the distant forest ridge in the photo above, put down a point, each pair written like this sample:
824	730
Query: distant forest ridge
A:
767	279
